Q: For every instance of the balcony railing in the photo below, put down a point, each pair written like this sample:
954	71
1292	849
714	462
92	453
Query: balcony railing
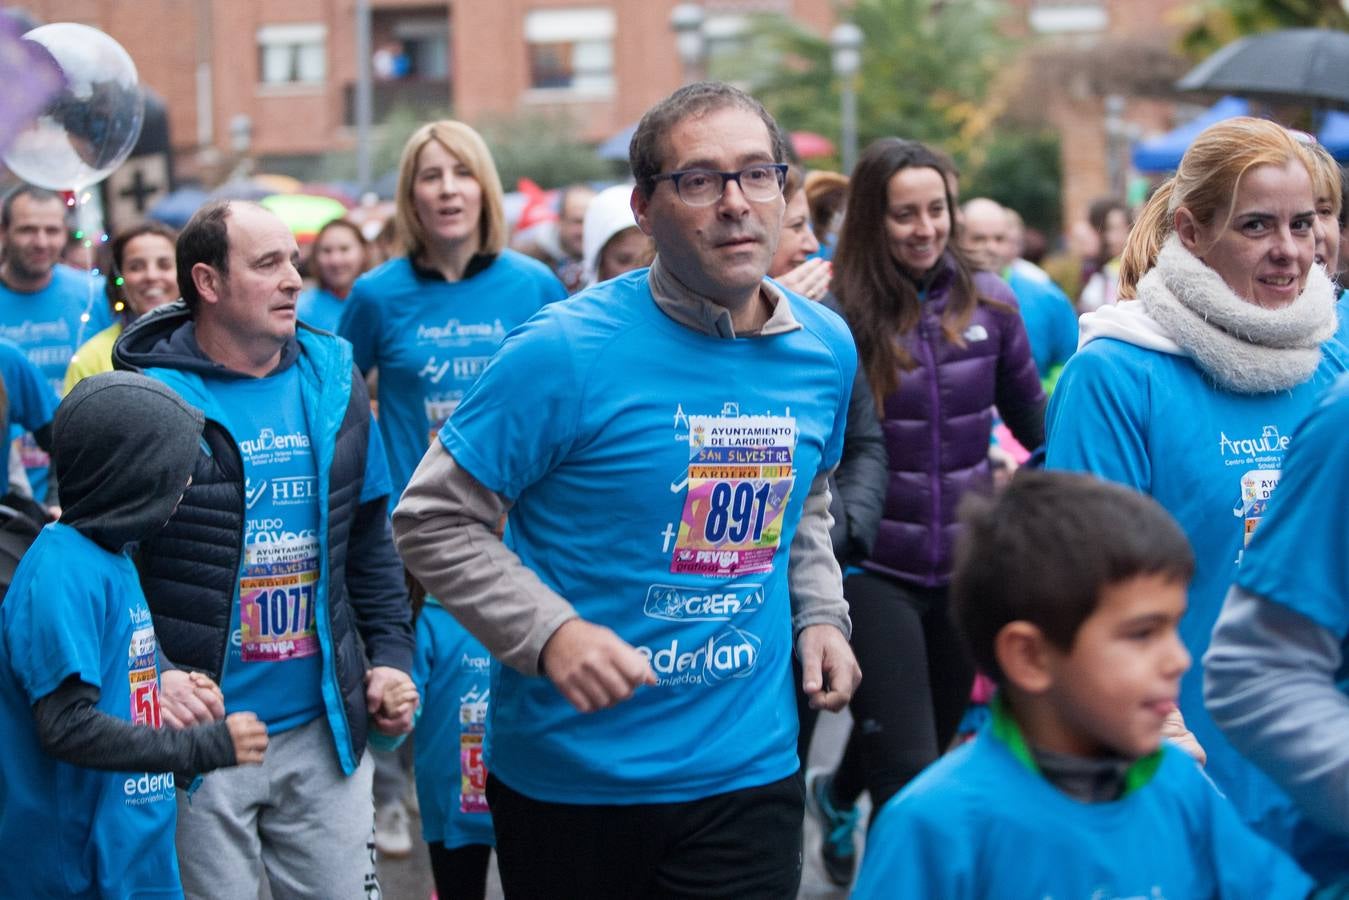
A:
419	95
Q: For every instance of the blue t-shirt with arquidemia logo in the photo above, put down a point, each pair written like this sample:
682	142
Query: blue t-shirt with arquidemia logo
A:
76	610
273	666
452	671
1210	457
657	477
431	339
49	326
979	823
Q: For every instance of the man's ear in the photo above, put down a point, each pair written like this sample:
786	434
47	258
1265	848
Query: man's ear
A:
207	281
1024	654
1187	229
640	203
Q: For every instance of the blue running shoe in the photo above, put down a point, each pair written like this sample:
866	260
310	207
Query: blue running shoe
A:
838	850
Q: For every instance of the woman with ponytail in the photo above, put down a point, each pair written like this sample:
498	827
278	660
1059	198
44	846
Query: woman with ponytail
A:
1189	388
940	346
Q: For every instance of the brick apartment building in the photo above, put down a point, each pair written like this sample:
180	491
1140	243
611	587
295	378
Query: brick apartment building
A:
277	80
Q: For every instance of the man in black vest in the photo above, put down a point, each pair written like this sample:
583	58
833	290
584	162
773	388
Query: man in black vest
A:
277	574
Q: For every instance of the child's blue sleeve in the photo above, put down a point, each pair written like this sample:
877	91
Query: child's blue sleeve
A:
53	630
915	852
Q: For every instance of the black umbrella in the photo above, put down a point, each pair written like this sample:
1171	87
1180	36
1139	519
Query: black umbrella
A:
1297	65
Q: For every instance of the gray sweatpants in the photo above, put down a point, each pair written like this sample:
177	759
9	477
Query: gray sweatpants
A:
296	818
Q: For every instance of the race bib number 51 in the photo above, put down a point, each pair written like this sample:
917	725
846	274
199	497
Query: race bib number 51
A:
472	769
740	478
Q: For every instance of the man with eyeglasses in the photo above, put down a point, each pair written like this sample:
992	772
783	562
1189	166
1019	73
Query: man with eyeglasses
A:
661	443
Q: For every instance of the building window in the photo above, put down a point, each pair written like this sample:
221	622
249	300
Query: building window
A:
1065	16
416	48
571	49
726	41
292	54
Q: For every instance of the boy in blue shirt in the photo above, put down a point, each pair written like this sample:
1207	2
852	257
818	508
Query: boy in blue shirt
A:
87	803
1068	591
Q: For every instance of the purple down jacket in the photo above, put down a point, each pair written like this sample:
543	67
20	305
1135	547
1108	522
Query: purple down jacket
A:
938	421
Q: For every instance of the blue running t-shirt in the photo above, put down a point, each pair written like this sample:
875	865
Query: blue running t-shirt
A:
32	402
273	665
319	308
1051	321
76	610
49	326
979	823
1300	557
453	675
657	476
431	339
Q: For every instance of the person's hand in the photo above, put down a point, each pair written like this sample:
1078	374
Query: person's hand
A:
380	681
400	697
829	671
592	666
189	698
249	736
810	279
1174	730
1004	465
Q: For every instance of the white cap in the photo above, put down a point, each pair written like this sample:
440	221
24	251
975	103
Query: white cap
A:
609	212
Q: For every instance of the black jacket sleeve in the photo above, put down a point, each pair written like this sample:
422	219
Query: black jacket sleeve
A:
859	483
70	729
377	590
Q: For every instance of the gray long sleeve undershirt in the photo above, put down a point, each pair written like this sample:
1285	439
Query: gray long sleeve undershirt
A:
72	730
1270	685
445	529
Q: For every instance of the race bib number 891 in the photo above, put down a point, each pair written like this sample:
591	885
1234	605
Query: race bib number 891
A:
739	481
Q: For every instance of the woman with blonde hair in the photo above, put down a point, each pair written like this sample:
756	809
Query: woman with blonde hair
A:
1189	388
429	320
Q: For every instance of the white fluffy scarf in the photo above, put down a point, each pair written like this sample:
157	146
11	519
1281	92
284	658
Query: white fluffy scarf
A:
1243	347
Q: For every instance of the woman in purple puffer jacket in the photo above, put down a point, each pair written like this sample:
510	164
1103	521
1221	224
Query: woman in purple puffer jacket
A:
941	346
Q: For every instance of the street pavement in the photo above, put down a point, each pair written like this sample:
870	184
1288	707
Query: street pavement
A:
410	878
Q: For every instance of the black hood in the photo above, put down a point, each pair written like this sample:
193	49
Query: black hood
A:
167	337
123	446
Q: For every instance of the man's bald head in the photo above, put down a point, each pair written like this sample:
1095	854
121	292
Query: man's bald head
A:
983	234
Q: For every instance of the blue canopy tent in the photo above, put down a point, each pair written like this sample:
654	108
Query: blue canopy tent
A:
1334	134
616	147
1163	152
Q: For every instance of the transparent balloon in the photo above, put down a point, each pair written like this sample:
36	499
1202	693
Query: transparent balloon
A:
89	128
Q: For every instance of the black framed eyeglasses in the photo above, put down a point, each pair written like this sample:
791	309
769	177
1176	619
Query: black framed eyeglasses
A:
703	187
